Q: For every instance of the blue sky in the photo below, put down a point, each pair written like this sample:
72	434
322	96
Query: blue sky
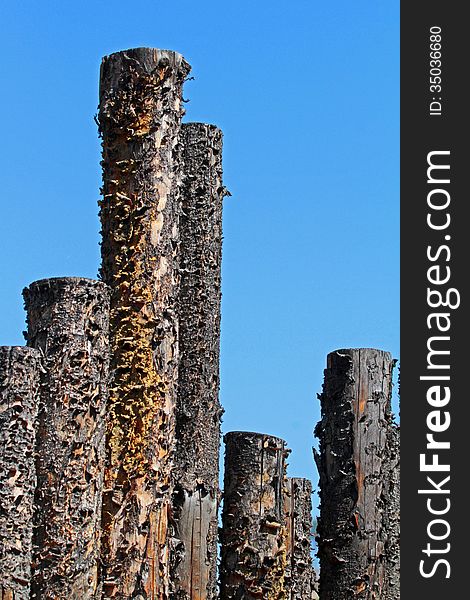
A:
307	94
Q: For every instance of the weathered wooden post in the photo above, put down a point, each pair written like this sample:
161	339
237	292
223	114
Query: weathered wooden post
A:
253	550
68	322
357	463
19	400
198	411
300	574
392	513
139	117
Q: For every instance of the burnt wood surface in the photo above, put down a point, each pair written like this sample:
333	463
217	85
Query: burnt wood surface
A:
301	582
253	538
392	514
357	465
198	410
139	120
68	323
19	400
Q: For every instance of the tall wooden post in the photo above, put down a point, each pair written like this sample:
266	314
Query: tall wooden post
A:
198	411
300	574
356	464
19	399
68	322
253	550
139	115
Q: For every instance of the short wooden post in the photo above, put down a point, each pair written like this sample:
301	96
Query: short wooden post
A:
392	513
300	574
19	399
356	465
68	323
139	117
198	410
253	550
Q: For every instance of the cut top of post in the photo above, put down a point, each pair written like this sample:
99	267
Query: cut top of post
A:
355	352
253	435
146	60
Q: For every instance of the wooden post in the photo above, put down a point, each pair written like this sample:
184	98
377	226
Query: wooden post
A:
68	322
198	411
139	116
253	551
392	514
19	399
300	574
356	464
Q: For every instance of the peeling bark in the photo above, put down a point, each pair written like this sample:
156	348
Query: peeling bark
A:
68	322
139	116
300	574
198	411
253	552
356	464
19	399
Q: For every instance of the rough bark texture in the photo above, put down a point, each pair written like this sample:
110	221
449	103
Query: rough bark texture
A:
198	411
356	464
19	399
301	583
253	552
139	115
392	514
68	323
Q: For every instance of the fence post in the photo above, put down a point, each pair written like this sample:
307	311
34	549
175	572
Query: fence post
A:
198	411
356	464
19	399
253	549
139	118
300	574
68	322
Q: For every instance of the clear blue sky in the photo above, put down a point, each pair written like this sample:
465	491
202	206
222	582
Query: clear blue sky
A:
307	96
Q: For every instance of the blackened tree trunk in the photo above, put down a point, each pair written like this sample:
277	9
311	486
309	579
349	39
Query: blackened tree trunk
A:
68	322
300	574
253	550
198	411
139	115
355	463
19	400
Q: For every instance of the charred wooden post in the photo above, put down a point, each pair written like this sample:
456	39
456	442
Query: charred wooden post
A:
300	574
139	118
68	322
253	550
19	399
392	514
356	464
198	411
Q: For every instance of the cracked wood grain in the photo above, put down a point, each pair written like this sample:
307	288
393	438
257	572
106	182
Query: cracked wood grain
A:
139	119
19	401
68	323
358	525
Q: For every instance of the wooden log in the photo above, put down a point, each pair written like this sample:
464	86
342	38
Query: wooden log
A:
253	544
300	577
139	117
198	411
356	463
68	322
392	514
19	399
